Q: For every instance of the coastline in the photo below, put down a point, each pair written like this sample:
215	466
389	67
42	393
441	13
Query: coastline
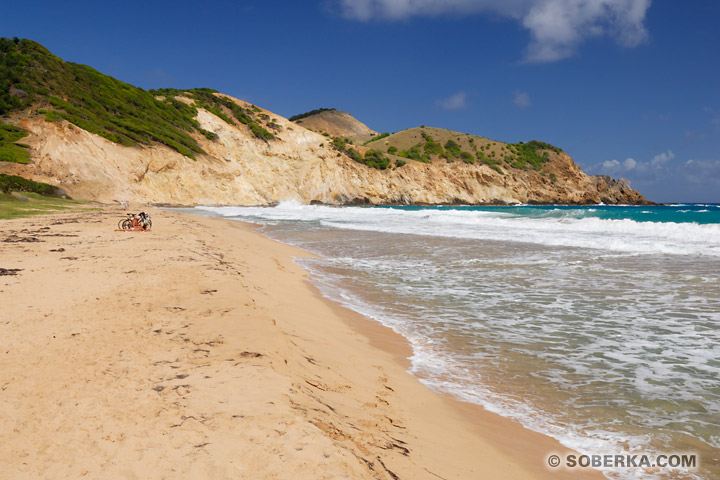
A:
200	350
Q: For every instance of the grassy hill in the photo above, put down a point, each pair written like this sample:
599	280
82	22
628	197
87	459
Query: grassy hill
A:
31	76
429	144
422	144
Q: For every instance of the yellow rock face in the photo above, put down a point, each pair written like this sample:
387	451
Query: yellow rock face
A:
300	165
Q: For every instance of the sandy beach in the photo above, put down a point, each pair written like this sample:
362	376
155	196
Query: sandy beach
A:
200	351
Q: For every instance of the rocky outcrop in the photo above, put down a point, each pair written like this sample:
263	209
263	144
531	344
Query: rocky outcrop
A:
614	191
299	165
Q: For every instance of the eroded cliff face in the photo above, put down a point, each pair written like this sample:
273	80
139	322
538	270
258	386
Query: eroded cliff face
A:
299	165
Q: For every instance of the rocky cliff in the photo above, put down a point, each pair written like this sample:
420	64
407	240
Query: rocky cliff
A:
100	139
239	169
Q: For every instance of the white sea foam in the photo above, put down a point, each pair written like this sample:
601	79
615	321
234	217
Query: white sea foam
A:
571	229
442	372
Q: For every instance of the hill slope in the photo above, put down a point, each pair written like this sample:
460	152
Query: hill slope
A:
336	124
100	139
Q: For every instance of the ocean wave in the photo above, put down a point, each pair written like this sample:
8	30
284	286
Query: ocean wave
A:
443	371
554	228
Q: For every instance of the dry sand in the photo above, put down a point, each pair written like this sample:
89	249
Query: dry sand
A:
199	350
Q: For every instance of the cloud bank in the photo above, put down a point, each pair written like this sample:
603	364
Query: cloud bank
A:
664	177
657	164
557	27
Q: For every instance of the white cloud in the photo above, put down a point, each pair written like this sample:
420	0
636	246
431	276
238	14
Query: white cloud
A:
556	27
522	99
630	163
401	9
662	158
457	101
610	164
659	165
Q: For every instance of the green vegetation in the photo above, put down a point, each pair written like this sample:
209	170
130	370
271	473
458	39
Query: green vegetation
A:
431	146
355	155
310	113
13	183
15	206
377	137
467	157
340	143
414	153
376	159
35	197
452	150
218	105
122	113
10	150
553	178
260	132
492	163
372	158
452	146
530	155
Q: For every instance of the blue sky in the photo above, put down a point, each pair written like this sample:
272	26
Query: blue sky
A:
628	88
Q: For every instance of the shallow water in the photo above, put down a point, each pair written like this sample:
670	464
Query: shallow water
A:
599	326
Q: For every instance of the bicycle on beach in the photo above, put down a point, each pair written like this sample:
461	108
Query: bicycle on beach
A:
126	223
133	221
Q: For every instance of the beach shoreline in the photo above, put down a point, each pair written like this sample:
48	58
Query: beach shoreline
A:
201	350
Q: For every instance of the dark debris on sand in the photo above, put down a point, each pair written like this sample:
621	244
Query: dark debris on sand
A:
17	239
9	271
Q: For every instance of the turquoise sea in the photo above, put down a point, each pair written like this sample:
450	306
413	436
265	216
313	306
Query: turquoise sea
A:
597	325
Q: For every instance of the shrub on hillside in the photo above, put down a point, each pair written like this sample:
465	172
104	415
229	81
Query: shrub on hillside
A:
415	154
432	147
467	157
452	149
103	105
489	162
355	155
376	159
13	183
10	149
260	132
531	155
310	113
377	137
